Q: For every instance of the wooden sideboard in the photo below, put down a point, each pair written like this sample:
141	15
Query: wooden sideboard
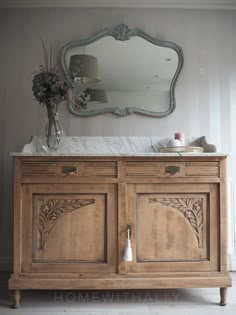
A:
71	215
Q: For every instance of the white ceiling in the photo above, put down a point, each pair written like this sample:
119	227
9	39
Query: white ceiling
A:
188	4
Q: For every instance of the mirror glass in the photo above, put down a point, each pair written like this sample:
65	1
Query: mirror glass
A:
136	74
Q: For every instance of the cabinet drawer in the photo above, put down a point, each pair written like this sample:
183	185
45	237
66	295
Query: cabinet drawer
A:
155	169
69	168
171	169
202	169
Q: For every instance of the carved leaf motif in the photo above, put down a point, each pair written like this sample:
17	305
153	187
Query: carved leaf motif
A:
52	211
123	112
191	208
122	32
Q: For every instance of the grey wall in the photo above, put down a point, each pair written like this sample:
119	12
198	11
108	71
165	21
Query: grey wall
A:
205	95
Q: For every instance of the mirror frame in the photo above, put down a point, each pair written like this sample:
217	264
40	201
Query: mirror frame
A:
122	32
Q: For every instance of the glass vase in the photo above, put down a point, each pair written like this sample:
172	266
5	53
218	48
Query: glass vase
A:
50	136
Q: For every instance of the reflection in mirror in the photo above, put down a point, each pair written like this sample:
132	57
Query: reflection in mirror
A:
83	68
122	71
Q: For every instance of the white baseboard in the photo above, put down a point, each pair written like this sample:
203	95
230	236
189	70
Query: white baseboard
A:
232	262
5	264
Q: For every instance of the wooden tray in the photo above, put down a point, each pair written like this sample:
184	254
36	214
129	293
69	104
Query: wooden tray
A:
181	149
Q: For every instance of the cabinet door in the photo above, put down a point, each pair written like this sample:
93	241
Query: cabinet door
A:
69	228
175	227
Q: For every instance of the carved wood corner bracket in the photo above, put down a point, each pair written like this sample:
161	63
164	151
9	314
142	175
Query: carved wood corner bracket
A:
192	210
52	211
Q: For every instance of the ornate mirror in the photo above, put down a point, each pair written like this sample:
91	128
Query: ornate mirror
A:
122	71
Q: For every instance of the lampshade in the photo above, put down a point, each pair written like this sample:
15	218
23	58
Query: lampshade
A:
84	68
98	96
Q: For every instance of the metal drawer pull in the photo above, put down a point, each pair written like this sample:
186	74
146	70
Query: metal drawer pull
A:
69	170
172	169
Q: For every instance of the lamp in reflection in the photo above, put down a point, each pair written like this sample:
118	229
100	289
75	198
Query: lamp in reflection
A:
91	96
84	68
98	96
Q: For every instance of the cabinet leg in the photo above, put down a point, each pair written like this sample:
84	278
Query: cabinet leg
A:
16	299
223	296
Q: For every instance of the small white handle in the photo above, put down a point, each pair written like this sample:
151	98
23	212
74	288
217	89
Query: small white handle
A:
128	250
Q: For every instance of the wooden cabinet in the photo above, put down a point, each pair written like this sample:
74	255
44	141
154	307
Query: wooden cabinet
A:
69	228
173	227
71	216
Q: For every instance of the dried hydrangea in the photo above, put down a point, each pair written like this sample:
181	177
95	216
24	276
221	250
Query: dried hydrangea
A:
49	87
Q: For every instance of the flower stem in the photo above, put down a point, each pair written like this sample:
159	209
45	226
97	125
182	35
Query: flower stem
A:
52	112
49	126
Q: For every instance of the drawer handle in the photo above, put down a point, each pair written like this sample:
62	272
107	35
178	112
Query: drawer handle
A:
172	169
69	170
